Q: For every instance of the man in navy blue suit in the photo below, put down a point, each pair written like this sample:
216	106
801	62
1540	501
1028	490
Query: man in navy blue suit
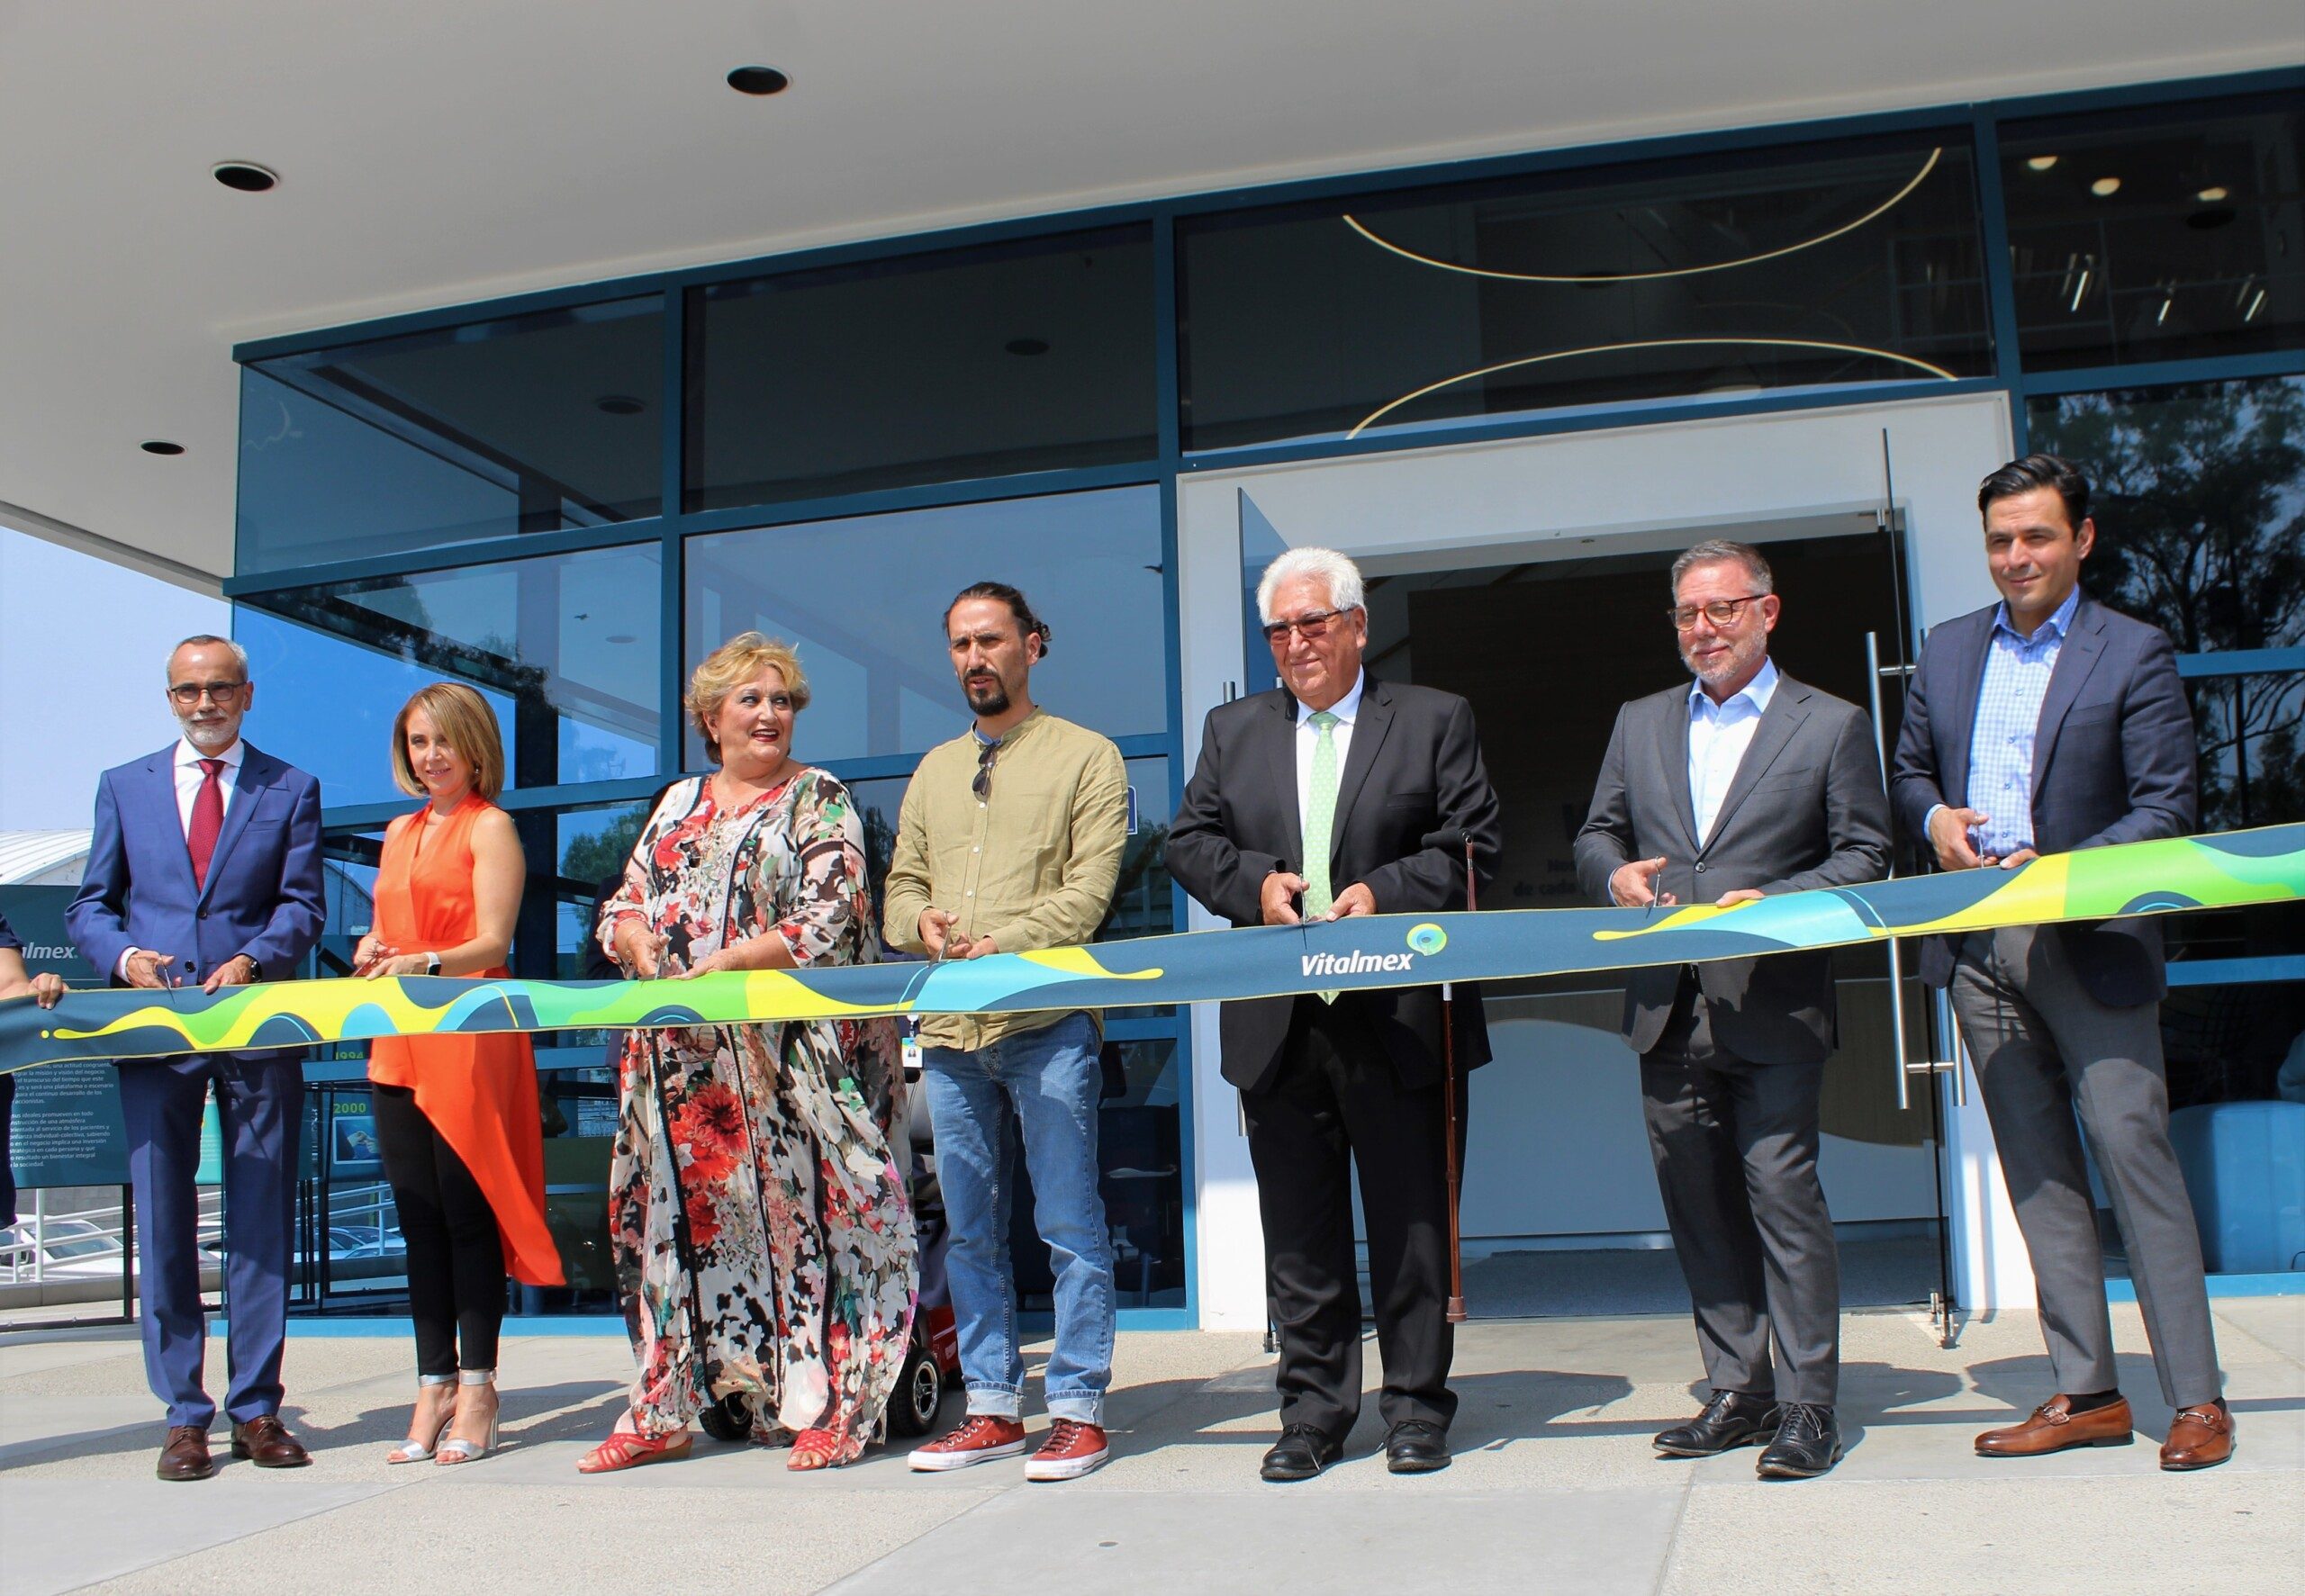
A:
2050	723
205	869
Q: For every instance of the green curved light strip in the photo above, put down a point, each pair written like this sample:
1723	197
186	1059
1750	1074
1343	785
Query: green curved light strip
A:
1891	203
2266	866
1373	417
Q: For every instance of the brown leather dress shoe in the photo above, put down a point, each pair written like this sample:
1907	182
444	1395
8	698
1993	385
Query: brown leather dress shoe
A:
2055	1425
2201	1437
185	1455
265	1442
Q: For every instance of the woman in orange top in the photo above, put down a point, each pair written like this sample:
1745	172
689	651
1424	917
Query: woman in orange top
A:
456	1116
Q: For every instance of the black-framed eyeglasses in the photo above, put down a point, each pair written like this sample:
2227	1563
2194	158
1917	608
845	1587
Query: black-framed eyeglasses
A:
189	693
982	785
1310	627
1721	612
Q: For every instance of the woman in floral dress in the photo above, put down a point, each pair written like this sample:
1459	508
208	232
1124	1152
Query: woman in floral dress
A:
762	1238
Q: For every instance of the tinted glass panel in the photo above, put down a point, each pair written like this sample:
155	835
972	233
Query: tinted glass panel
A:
1027	356
1583	288
863	602
2177	241
528	424
2199	505
565	649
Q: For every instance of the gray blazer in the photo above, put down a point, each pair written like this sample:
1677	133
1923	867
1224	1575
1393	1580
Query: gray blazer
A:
2113	762
1805	810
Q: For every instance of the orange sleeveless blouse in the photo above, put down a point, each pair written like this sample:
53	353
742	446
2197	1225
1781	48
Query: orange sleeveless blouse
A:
480	1092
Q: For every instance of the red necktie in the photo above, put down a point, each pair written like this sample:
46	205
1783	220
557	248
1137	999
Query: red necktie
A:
207	820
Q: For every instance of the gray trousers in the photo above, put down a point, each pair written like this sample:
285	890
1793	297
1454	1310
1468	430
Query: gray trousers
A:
2044	1047
1736	1150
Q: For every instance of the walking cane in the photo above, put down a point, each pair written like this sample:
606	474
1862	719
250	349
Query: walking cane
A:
1453	838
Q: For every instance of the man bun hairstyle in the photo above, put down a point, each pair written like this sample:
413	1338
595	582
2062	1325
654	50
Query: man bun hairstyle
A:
1028	625
2039	470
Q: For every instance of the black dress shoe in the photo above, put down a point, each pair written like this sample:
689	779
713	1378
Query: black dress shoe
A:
1300	1453
1807	1444
1732	1418
1414	1446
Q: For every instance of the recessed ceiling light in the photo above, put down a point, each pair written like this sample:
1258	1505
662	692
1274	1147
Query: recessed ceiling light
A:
2104	188
2040	163
620	404
1027	347
160	445
2211	194
246	176
758	80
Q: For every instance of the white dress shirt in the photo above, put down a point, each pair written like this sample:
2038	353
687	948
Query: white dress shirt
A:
1347	709
1719	734
189	775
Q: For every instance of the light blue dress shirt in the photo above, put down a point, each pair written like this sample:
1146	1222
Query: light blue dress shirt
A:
1719	734
2017	670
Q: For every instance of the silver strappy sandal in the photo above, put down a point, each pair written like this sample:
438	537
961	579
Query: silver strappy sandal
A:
414	1449
456	1448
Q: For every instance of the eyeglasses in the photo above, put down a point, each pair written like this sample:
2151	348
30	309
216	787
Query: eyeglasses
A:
1721	612
189	693
982	785
1312	628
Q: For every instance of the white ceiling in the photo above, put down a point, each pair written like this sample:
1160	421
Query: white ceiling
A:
440	151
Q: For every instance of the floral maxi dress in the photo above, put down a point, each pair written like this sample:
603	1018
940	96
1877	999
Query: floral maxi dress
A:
763	1235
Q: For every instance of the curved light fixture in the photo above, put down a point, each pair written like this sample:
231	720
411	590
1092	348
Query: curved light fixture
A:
1373	417
1883	208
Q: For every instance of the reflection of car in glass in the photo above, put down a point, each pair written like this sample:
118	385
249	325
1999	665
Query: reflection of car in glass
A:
65	1246
344	1241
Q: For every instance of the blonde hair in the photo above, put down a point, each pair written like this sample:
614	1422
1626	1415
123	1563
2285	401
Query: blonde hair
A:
464	718
727	668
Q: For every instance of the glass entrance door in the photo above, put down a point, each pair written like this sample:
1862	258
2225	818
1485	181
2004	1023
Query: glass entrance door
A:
1560	1210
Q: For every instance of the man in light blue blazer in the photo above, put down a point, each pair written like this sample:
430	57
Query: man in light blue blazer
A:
205	870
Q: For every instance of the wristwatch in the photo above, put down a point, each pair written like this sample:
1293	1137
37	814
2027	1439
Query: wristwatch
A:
256	971
431	964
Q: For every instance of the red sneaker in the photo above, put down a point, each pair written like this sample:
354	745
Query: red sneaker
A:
981	1439
1073	1449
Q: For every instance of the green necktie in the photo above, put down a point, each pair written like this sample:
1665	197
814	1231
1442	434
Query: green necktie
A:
1320	818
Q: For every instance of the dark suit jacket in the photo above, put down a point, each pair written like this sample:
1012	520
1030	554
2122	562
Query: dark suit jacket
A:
2113	762
1805	810
264	896
1414	767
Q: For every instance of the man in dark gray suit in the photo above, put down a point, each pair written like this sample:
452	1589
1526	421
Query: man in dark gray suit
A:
2049	722
1744	783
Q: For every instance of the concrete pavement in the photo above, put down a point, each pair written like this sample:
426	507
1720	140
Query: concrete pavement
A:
1555	1486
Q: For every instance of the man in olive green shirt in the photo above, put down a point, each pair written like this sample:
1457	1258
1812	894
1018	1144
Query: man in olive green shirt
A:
1010	839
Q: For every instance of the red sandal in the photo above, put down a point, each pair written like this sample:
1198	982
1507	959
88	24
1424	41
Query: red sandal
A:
628	1449
814	1449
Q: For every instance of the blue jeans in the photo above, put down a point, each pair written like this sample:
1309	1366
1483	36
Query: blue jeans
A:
1047	1082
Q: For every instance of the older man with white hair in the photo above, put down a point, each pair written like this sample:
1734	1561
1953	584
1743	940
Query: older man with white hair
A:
1314	801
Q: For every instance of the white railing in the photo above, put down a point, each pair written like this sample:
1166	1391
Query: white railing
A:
94	1234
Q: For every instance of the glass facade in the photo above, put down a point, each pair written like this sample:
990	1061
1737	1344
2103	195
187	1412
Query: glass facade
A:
1732	277
863	600
502	496
2182	237
566	648
1028	357
499	428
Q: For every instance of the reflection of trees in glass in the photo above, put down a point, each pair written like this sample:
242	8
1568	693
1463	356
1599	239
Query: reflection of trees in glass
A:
1141	898
2201	529
597	855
